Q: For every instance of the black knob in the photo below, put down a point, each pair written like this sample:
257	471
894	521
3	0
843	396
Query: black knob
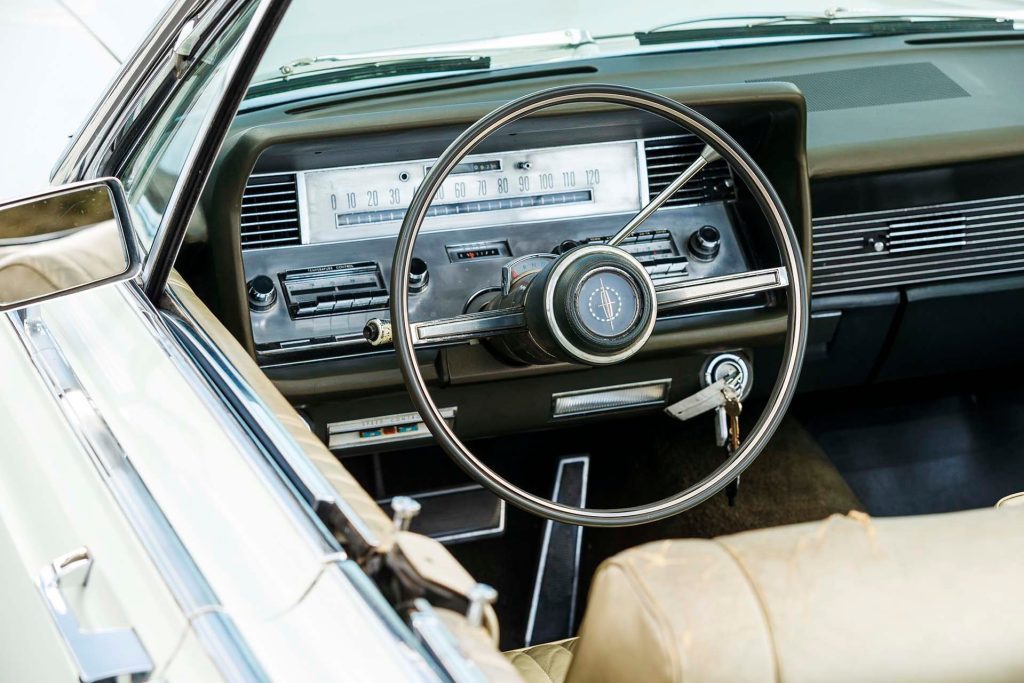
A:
419	277
261	292
705	242
564	246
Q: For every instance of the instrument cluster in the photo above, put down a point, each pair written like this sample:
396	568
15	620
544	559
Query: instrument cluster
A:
360	202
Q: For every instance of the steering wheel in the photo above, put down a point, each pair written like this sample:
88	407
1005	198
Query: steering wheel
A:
547	316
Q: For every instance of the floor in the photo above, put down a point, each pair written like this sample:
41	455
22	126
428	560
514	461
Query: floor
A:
923	447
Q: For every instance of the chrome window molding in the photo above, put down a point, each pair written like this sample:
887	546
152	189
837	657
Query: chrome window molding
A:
123	95
194	361
311	494
308	482
203	153
214	629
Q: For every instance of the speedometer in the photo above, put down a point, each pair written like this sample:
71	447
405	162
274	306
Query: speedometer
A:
506	187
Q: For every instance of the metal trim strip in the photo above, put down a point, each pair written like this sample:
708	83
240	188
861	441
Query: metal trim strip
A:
214	629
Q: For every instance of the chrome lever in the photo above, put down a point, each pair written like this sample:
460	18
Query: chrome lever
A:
99	655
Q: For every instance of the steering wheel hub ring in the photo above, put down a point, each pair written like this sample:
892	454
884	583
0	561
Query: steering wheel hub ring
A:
761	192
575	282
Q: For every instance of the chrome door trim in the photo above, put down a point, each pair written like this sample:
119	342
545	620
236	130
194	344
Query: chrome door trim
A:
214	629
308	482
261	435
99	655
213	129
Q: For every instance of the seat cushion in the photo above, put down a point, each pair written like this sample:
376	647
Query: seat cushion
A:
850	598
545	663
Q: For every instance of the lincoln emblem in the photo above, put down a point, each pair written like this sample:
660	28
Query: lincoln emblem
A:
607	303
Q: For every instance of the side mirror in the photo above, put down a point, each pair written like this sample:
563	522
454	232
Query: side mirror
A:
75	237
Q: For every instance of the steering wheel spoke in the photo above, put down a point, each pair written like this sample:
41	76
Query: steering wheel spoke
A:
470	326
723	287
458	329
707	156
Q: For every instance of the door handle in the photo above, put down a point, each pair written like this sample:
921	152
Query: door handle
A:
99	655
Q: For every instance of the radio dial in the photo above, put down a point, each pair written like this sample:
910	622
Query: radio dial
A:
705	242
261	292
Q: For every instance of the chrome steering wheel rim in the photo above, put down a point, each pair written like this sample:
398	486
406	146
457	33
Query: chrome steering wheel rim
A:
786	242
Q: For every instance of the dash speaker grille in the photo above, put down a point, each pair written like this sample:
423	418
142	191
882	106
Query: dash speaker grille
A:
872	86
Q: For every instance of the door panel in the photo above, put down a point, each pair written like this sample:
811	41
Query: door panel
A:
52	500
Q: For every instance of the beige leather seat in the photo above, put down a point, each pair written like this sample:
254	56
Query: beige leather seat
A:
930	598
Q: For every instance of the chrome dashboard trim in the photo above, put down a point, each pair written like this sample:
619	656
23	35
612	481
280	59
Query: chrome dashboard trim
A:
214	629
626	201
665	383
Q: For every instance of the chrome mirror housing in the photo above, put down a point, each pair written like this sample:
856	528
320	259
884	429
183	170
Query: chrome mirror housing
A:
71	238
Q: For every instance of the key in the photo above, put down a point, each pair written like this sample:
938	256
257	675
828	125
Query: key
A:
733	408
710	397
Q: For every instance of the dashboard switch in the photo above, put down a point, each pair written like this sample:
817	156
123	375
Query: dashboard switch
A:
705	242
261	293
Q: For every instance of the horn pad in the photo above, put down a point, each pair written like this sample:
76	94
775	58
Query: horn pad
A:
595	305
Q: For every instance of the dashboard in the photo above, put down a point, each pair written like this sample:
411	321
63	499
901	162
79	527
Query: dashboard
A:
907	202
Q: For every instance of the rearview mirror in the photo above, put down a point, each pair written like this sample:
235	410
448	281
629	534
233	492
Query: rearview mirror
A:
75	237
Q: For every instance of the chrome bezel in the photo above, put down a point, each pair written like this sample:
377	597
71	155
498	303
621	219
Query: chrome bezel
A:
549	305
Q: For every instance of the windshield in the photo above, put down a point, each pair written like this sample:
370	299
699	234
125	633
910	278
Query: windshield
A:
406	38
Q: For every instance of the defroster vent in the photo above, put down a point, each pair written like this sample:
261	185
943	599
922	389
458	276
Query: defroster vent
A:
935	243
270	212
667	157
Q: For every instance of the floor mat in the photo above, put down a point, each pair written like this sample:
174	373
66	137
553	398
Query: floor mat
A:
921	448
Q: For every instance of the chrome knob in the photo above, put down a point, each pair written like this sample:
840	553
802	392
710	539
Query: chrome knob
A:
419	276
261	293
405	509
705	242
377	331
479	596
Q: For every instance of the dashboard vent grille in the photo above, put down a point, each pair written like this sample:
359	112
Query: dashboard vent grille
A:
270	212
922	244
667	157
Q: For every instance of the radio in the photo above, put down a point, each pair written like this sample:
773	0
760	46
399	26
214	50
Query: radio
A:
327	290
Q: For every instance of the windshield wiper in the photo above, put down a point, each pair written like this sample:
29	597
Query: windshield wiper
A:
829	24
385	68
